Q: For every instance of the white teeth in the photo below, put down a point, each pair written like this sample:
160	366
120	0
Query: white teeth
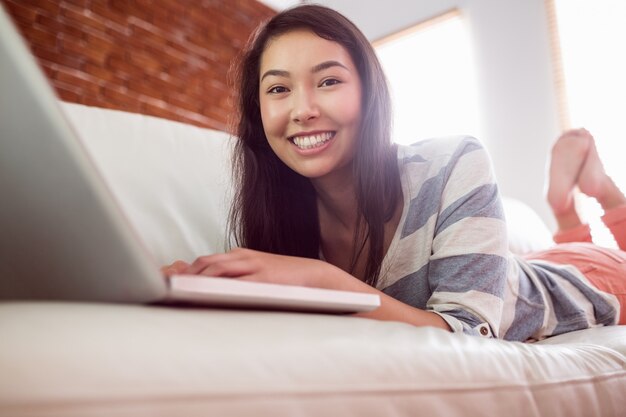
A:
313	141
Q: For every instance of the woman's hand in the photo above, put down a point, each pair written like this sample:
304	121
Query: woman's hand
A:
251	265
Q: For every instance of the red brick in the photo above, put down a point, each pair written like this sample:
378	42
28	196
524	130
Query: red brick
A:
20	12
104	74
104	103
83	17
89	100
65	94
118	63
54	25
118	100
216	83
168	58
143	87
118	95
200	44
78	79
118	31
50	7
185	102
253	9
159	109
104	44
215	114
71	61
147	62
172	7
48	68
179	51
39	37
168	81
140	33
79	3
195	118
130	8
200	16
165	14
194	86
80	48
101	9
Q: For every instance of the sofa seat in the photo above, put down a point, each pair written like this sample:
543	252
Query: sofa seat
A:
73	359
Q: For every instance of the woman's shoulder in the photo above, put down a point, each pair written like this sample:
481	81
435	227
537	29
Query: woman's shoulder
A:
438	149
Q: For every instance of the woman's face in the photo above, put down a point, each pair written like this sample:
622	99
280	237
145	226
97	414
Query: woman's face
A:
310	97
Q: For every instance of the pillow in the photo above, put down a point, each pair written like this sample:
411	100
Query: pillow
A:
171	180
526	231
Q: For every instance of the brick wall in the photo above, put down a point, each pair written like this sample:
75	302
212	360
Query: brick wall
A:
166	58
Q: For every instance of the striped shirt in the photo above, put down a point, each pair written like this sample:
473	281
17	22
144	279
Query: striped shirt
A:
450	254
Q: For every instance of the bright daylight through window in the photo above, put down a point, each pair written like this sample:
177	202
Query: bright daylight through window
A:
431	75
593	54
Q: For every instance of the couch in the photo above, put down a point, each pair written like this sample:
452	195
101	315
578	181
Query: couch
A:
172	181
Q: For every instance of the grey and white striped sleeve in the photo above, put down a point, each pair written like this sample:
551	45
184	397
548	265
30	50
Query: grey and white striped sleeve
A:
468	266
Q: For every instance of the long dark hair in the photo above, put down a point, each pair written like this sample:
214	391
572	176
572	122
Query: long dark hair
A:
274	208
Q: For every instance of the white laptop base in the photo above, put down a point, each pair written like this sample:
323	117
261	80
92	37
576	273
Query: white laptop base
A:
229	292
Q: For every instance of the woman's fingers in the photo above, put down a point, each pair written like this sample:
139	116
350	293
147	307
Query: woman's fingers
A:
178	267
231	264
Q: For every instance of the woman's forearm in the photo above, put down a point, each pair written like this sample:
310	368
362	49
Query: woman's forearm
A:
393	310
390	309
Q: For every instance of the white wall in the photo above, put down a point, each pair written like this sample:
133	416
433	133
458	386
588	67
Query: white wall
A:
514	68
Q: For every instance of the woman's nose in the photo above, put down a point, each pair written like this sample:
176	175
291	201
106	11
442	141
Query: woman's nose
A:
304	107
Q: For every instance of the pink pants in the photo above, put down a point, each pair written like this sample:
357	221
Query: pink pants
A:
603	267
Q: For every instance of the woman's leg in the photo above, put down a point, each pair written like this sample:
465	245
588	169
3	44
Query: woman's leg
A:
568	157
615	220
575	163
594	182
603	268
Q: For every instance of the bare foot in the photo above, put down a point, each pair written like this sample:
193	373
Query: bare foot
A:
569	153
594	181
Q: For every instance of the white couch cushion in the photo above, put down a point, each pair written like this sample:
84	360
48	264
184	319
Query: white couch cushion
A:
63	359
172	180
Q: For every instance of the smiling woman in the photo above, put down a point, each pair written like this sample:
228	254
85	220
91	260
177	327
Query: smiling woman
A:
325	199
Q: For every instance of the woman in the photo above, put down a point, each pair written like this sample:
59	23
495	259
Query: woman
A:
324	199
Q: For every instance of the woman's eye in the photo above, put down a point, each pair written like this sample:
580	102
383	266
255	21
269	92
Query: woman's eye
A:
329	81
277	90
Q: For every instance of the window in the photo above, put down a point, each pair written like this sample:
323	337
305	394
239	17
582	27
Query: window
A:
590	55
432	80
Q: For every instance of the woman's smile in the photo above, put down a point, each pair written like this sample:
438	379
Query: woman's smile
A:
312	141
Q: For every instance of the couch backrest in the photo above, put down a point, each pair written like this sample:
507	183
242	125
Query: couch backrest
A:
172	180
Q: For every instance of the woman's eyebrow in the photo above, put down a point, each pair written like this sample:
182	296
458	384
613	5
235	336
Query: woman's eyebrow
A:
327	64
277	73
317	68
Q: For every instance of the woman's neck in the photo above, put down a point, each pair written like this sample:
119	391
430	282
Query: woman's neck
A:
337	205
337	200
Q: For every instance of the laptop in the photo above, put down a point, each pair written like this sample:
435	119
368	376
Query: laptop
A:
63	235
